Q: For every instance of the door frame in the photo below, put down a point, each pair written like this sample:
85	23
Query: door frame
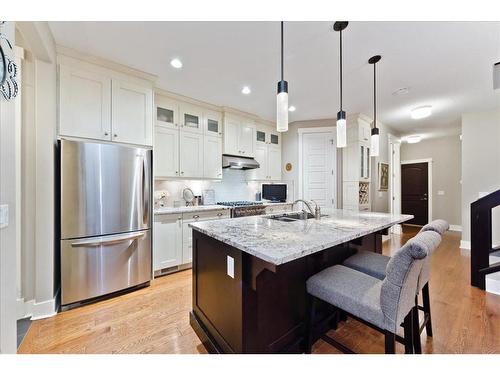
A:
429	179
323	129
394	175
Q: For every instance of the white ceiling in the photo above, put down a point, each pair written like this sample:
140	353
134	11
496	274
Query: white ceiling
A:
445	64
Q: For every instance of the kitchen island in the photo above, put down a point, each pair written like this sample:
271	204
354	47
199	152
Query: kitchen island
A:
249	275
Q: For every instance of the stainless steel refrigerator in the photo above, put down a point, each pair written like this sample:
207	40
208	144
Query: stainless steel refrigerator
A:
105	218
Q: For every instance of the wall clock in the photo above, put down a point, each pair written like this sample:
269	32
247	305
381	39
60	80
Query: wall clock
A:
8	71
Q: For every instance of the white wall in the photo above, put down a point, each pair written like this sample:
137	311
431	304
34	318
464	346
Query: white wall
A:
380	199
445	153
480	162
8	190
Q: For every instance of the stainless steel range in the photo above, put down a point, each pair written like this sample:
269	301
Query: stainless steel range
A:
244	208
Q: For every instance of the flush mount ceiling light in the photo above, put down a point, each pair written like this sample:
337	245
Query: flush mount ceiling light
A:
341	121
374	141
176	63
421	112
246	90
413	139
291	108
282	99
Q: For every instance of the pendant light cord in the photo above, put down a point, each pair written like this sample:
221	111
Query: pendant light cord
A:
341	70
282	51
374	96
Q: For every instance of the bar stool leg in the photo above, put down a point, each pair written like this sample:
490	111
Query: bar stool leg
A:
408	328
312	301
427	309
417	346
390	342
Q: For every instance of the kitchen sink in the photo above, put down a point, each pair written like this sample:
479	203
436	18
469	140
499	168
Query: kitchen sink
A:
292	216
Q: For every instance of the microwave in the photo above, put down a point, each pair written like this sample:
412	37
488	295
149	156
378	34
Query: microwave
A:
274	192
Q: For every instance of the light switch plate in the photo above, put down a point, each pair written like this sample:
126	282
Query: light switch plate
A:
4	216
230	266
440	192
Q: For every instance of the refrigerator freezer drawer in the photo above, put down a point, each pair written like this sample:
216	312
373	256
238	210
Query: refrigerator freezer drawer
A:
92	267
105	188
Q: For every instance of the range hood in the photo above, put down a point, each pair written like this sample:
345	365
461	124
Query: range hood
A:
239	162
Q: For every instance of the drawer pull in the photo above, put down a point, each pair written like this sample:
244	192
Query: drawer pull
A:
196	216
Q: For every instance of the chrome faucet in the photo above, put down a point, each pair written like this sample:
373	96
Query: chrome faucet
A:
317	210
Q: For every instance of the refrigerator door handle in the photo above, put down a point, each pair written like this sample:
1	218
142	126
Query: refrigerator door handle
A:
145	191
110	240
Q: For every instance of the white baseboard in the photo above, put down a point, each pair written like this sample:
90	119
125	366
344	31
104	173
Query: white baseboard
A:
492	285
455	228
465	245
24	308
44	309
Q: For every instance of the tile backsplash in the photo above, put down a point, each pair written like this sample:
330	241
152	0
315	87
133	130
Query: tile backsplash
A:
232	187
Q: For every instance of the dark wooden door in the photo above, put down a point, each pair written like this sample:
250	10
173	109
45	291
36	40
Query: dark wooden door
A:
414	192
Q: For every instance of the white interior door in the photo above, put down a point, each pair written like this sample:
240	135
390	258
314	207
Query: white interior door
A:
318	169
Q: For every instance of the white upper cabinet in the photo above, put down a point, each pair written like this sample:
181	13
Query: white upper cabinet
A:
191	118
132	117
239	136
212	160
213	123
100	103
267	153
84	103
191	155
166	152
167	112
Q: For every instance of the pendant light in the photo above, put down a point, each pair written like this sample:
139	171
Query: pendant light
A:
282	99
375	141
341	120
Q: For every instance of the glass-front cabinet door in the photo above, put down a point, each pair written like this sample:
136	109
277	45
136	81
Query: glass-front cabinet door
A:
260	136
191	118
167	112
213	123
274	139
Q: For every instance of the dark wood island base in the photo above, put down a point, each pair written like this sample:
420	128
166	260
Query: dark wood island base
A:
242	304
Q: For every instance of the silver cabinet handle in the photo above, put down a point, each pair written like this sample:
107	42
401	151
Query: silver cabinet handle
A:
115	135
182	172
108	241
176	172
106	133
219	214
196	216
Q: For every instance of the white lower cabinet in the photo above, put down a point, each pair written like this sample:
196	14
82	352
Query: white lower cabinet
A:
167	241
173	237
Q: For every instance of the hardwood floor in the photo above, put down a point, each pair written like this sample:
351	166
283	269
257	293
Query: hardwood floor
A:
155	319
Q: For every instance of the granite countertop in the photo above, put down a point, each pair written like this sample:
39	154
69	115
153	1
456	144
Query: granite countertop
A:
184	209
278	242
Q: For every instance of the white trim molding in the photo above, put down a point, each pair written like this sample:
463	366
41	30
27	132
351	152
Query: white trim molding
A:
465	245
455	228
429	179
44	309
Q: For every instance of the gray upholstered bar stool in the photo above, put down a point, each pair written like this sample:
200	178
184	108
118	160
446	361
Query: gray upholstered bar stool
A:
381	304
374	264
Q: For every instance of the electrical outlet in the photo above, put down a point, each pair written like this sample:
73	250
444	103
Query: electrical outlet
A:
440	192
230	266
4	216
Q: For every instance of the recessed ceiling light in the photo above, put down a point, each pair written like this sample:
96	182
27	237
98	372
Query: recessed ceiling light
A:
176	63
292	108
401	91
421	112
413	139
246	90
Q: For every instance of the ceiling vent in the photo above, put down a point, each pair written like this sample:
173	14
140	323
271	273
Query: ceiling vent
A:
496	76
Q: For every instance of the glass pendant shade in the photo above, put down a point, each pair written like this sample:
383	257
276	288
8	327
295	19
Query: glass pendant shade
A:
282	107
341	130
375	143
